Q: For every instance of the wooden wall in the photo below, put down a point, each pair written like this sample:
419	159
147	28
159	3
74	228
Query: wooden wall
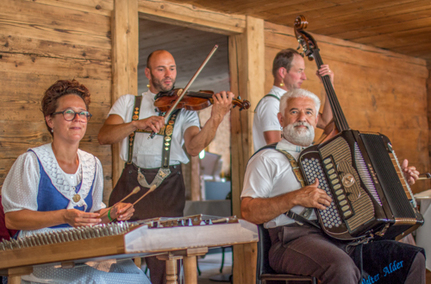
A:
40	43
379	91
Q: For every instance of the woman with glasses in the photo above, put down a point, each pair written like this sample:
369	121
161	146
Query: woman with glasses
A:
58	186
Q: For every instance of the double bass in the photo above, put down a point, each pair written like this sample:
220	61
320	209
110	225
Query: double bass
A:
358	170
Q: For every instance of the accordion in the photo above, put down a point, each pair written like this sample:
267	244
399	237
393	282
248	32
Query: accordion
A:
370	196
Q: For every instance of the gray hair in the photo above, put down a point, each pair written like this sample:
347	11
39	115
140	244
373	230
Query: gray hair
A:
298	93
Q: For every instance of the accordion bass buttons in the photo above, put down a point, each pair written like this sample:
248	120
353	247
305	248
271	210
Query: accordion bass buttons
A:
347	181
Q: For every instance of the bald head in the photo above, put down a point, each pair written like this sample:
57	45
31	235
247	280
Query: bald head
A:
161	71
156	54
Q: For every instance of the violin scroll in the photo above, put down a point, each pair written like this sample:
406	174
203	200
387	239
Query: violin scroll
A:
242	104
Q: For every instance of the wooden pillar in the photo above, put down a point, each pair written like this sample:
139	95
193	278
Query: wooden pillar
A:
125	58
195	180
246	60
429	112
14	274
190	268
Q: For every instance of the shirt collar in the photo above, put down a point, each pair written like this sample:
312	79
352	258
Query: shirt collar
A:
150	94
287	146
279	92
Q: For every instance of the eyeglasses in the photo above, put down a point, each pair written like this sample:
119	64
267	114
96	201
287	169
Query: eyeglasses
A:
69	114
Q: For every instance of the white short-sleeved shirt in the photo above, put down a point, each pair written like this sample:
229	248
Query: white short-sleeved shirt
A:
21	186
265	117
270	174
147	153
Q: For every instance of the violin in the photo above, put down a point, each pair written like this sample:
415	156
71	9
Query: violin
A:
175	97
191	100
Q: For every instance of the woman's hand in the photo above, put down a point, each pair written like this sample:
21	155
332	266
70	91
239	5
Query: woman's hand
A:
77	218
122	211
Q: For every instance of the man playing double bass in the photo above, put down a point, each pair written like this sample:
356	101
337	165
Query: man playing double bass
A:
158	161
288	69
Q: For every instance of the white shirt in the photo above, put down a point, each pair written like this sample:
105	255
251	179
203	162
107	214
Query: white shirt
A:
147	153
265	117
270	174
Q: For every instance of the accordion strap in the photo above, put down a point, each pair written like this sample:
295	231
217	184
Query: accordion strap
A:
306	213
299	218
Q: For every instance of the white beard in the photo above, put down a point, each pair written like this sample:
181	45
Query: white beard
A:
299	136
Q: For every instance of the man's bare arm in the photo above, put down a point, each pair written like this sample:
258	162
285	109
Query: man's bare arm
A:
114	129
261	210
195	140
272	136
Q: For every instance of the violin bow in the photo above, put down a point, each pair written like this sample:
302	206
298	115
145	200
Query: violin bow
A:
183	92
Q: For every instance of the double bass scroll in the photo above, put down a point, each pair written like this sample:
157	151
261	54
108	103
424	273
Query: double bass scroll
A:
312	52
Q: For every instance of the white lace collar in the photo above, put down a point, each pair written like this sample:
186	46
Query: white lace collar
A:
58	177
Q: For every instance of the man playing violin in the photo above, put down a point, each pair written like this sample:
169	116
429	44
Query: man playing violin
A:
288	70
131	123
272	188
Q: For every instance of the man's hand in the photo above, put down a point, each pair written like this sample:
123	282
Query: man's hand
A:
222	103
410	173
312	196
324	70
152	123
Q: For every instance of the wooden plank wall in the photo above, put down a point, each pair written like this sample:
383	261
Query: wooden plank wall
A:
45	40
41	42
378	91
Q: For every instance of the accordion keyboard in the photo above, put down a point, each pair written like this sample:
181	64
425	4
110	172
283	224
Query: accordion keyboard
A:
330	216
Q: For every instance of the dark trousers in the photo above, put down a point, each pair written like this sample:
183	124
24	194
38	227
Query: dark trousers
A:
306	250
167	200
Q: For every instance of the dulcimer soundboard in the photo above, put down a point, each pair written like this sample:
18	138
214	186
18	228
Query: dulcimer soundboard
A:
125	240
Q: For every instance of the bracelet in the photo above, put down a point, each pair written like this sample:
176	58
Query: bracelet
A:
109	215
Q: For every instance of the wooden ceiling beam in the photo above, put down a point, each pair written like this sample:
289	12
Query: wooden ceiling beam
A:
189	16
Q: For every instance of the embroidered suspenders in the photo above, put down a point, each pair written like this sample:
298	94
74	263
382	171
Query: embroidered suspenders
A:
135	116
295	167
167	131
306	213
